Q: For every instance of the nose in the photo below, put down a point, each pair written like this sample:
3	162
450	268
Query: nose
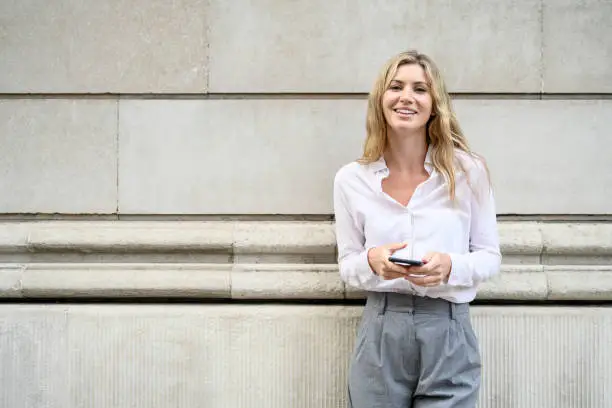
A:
407	96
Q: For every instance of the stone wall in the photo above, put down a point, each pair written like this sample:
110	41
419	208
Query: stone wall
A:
215	107
158	152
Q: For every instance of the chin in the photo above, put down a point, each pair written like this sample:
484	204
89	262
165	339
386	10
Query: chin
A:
408	127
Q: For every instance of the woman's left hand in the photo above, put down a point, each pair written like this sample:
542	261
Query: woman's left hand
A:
435	271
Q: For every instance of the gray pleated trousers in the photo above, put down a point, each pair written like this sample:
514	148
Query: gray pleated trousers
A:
414	352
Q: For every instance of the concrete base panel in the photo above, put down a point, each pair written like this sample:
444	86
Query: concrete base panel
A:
274	355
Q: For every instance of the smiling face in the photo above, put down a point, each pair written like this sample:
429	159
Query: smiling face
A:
407	103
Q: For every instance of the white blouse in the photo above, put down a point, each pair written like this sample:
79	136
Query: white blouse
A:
466	229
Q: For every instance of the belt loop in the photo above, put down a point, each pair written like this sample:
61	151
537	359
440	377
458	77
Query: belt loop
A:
382	307
453	310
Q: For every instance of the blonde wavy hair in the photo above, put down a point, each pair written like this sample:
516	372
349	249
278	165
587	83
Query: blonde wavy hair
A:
443	131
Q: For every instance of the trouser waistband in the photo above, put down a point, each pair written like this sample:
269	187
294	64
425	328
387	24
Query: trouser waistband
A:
406	303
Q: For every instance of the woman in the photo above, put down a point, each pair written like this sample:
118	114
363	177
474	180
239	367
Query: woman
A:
418	193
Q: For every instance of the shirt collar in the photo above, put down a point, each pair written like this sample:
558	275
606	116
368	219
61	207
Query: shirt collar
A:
380	165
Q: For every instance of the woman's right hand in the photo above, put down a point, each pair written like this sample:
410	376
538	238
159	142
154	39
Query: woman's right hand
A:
378	258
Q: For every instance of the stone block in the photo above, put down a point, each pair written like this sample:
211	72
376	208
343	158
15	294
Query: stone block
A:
286	282
60	156
546	157
89	46
126	280
162	142
148	355
197	157
290	356
135	236
13	237
10	281
339	46
34	369
577	51
593	283
274	355
544	356
521	242
288	242
516	282
577	243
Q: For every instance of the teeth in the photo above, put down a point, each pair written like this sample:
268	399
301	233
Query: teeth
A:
405	111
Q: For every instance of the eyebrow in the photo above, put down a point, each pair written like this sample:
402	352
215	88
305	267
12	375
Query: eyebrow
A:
415	83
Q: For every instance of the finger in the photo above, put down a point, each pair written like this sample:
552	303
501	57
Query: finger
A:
428	256
430	280
427	269
389	275
399	269
416	280
396	246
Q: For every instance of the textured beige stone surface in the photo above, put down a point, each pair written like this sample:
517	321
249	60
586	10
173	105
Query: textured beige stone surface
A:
126	280
516	282
14	236
338	46
577	243
290	236
116	46
156	356
155	46
247	156
579	282
544	356
531	150
521	241
274	355
577	52
59	156
10	280
286	282
268	260
274	281
295	147
246	239
34	350
286	242
113	236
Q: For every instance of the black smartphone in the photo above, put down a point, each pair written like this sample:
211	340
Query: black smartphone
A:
405	262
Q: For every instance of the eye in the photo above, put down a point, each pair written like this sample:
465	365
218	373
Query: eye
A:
395	87
421	90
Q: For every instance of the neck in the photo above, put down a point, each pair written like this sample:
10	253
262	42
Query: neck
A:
406	152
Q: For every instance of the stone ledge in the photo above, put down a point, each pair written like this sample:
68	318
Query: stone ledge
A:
112	236
280	242
579	283
125	280
11	281
568	243
274	282
287	282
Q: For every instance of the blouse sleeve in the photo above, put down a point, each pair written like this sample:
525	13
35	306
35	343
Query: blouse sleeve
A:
352	255
484	257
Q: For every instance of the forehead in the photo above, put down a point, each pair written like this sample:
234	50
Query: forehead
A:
409	73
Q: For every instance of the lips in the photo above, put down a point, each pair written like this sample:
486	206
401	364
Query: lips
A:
405	112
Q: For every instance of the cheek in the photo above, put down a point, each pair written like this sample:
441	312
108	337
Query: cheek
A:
386	108
427	105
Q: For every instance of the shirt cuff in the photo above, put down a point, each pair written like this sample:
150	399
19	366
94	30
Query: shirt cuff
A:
460	274
365	274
